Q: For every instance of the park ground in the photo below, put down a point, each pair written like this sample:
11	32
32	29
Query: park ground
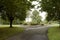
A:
6	32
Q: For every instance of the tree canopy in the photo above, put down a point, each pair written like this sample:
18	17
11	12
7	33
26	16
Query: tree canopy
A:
14	7
52	7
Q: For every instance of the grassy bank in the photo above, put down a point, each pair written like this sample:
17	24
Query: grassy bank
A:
54	33
7	32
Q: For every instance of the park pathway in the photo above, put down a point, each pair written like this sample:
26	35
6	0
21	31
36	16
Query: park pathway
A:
32	33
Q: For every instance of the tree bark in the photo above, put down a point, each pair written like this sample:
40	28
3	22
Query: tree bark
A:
11	21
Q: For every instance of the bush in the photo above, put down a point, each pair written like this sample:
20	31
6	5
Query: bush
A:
42	24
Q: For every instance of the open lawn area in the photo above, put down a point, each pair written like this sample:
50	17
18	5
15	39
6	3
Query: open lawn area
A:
54	33
6	32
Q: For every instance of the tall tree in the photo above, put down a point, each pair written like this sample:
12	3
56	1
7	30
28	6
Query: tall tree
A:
14	9
52	7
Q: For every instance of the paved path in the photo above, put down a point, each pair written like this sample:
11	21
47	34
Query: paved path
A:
37	33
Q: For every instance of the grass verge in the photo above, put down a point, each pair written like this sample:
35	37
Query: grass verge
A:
7	32
54	33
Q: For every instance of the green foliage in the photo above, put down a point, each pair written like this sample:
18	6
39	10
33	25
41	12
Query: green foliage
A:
52	7
15	8
36	19
1	5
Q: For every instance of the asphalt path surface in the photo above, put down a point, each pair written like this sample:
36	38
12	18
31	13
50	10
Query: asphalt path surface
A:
32	33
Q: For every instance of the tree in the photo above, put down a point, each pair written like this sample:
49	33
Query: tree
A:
14	9
1	6
36	19
52	7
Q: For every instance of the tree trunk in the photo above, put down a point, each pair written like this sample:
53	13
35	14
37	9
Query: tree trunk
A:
11	21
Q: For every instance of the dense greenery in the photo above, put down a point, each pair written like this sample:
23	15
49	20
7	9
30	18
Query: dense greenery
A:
36	19
14	9
52	7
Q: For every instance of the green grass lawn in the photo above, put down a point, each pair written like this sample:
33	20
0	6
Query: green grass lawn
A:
6	32
54	33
